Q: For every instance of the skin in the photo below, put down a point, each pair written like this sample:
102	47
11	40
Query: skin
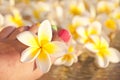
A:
10	51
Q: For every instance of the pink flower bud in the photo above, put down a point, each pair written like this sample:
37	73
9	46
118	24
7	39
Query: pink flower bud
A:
64	35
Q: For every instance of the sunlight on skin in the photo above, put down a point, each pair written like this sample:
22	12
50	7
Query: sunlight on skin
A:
41	47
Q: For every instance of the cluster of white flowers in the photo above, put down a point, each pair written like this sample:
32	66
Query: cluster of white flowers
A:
89	23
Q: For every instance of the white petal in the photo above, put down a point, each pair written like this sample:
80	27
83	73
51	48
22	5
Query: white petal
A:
28	39
114	56
45	31
95	39
59	61
81	31
95	28
82	20
99	40
60	49
43	62
103	62
91	47
75	57
69	62
29	54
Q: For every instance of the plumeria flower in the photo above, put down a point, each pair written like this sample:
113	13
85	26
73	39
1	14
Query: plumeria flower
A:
85	32
77	8
41	48
77	22
109	24
116	16
68	59
103	52
15	19
39	9
105	7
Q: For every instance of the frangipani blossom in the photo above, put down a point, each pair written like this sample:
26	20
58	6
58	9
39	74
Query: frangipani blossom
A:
77	22
109	24
85	32
68	59
39	9
77	8
104	54
15	19
41	47
105	7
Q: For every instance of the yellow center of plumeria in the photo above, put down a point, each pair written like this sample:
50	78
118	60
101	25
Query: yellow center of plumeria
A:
117	15
87	34
111	24
36	14
102	49
104	9
72	28
75	10
17	19
71	49
67	57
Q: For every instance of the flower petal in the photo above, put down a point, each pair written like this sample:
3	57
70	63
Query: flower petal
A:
103	62
81	32
69	63
91	47
45	31
114	56
29	54
95	28
58	50
43	62
75	58
66	60
28	39
59	61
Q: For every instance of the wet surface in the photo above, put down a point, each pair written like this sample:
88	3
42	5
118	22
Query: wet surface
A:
85	69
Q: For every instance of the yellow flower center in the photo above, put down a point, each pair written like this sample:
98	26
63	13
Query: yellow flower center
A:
117	16
75	10
110	24
104	9
67	57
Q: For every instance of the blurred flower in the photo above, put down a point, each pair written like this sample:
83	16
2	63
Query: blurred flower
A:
15	19
41	47
104	54
77	8
68	59
105	7
85	32
77	22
